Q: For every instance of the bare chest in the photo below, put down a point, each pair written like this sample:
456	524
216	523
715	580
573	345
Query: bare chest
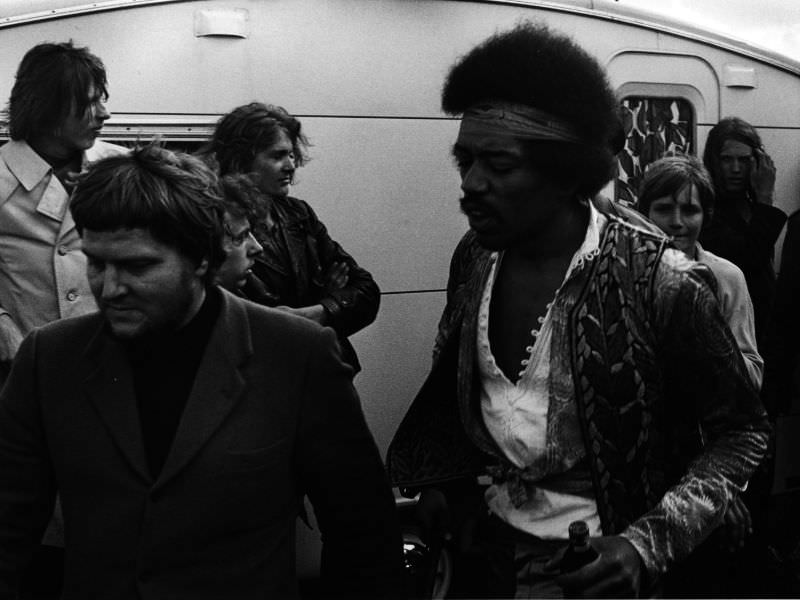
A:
520	301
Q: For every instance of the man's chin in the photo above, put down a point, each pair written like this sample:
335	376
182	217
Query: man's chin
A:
125	330
490	242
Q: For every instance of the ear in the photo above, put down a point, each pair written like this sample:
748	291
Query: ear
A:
202	268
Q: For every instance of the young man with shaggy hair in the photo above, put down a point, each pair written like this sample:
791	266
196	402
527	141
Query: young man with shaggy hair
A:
581	362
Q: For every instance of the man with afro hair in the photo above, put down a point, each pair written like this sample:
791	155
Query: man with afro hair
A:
582	370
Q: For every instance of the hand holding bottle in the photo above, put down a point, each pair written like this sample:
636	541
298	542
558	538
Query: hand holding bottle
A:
612	568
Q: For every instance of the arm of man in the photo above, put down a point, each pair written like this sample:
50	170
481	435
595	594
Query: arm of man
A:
345	480
27	493
354	305
705	378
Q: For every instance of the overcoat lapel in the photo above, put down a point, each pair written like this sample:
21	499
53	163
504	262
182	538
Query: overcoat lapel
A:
217	389
109	387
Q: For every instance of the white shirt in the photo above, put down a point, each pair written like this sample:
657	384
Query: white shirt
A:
534	421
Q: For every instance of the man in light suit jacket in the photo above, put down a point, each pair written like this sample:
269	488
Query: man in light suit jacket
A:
181	425
55	114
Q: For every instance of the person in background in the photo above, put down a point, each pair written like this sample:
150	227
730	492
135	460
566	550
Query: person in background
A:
302	269
744	230
746	223
181	424
54	115
240	245
581	365
676	193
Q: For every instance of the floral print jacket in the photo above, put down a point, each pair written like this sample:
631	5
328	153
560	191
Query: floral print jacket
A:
673	428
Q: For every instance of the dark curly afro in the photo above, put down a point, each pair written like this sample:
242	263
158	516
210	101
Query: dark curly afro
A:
533	65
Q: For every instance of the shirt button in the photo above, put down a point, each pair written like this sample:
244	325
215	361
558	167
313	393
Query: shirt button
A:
72	295
62	250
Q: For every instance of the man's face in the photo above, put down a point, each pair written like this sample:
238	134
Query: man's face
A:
735	163
273	168
141	285
241	248
79	131
505	198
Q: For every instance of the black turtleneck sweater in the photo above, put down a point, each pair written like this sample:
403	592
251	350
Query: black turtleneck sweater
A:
164	367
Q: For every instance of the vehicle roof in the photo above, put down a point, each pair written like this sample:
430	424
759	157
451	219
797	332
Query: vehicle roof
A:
18	12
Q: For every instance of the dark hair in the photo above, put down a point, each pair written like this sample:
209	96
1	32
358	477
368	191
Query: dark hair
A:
669	176
172	195
249	129
532	65
52	82
729	128
241	197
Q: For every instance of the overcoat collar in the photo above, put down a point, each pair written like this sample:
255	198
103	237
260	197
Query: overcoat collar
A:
217	388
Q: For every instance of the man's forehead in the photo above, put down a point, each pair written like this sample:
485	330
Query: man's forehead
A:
478	143
133	241
235	223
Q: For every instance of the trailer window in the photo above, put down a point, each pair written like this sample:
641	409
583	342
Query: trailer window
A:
654	127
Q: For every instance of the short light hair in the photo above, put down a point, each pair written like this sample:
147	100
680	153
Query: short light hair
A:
669	176
52	82
174	196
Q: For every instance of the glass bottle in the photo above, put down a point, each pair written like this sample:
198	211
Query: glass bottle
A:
580	551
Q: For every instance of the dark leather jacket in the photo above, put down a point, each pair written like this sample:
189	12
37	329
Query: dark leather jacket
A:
311	252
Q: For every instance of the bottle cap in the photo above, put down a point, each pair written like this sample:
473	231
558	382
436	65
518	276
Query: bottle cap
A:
578	530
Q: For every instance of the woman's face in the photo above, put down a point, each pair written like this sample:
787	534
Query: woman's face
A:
680	217
273	168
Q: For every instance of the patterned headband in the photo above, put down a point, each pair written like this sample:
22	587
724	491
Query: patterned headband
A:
519	121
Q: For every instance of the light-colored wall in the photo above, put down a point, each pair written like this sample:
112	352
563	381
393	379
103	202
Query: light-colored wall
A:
365	78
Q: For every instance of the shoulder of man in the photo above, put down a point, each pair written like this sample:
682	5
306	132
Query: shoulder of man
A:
19	164
627	216
65	339
297	210
722	267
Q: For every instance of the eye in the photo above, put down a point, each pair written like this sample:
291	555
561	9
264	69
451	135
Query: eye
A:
501	166
462	163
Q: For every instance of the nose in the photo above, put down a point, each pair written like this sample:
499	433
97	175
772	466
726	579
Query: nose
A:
675	220
289	163
113	286
100	111
253	247
473	179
